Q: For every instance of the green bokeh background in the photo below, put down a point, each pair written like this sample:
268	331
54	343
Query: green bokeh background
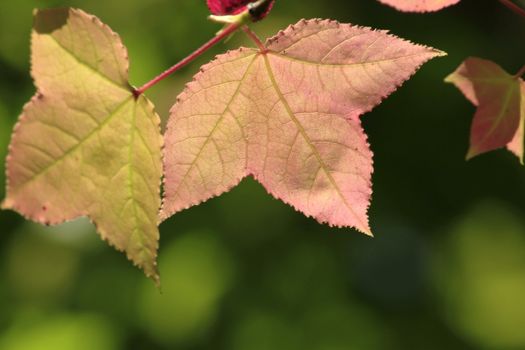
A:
244	271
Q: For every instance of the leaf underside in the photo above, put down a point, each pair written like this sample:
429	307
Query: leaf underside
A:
289	117
84	145
499	98
419	5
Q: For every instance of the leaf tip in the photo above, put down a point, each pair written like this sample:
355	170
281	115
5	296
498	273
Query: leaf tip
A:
149	268
472	152
440	53
367	231
7	204
449	79
363	226
155	277
518	155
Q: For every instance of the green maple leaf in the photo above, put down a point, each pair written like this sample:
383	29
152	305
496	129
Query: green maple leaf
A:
84	144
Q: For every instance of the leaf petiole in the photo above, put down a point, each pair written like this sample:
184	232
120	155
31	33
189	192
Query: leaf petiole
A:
255	39
229	29
233	23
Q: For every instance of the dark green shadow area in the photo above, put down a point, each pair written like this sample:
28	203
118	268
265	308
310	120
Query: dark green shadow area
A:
48	20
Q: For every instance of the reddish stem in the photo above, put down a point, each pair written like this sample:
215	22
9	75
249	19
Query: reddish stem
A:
514	7
255	39
520	72
219	37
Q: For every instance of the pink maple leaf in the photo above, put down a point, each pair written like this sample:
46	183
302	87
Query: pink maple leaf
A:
288	116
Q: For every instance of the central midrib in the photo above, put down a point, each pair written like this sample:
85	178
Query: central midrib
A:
307	139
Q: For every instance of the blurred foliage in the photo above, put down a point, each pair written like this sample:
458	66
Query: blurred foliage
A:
479	273
244	271
197	272
80	332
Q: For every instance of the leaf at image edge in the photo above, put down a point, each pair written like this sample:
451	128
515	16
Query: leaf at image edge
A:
84	145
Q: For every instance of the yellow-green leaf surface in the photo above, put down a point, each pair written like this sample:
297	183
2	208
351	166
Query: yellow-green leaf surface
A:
84	145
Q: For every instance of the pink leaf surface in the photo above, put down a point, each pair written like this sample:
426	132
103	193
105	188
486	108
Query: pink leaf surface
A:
419	5
84	145
500	108
290	118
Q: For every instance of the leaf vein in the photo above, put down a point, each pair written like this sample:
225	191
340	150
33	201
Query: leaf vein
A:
307	139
